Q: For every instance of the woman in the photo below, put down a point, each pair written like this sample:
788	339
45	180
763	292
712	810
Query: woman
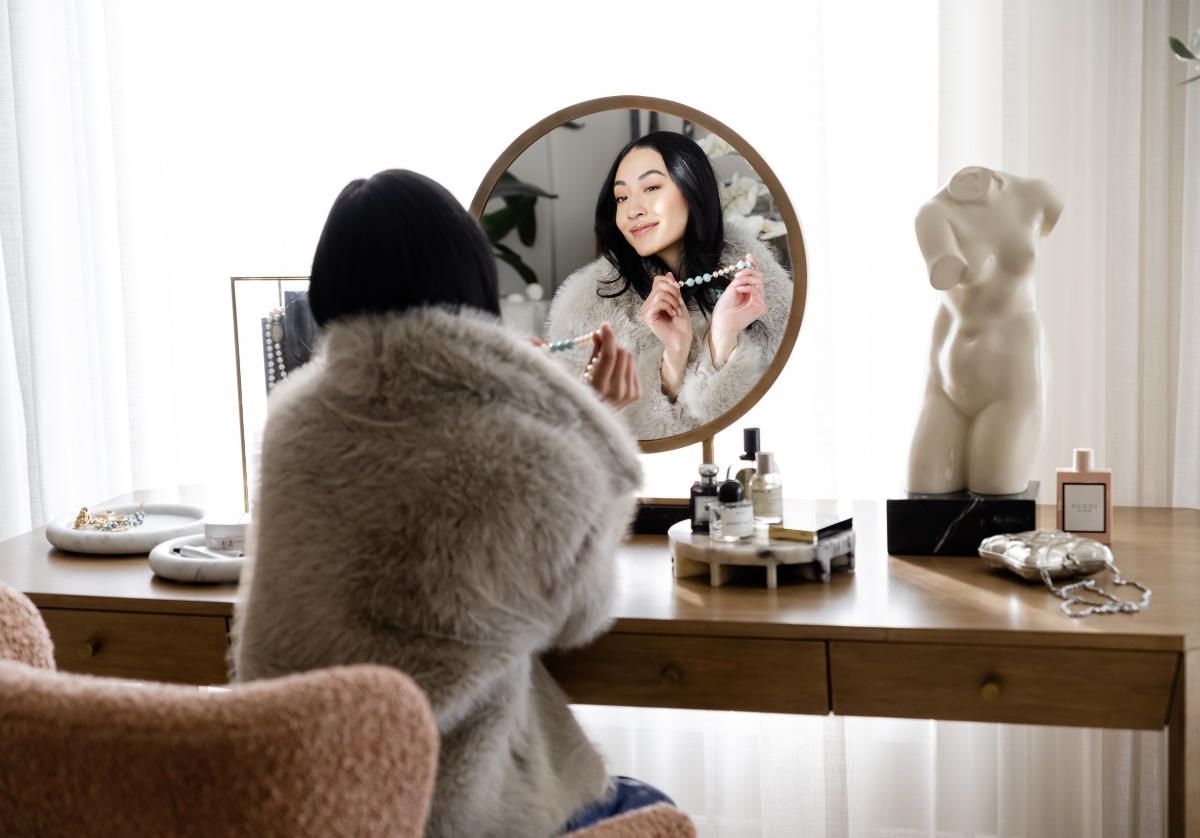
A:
438	496
698	349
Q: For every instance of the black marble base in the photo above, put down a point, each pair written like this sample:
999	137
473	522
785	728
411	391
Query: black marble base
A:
954	524
657	515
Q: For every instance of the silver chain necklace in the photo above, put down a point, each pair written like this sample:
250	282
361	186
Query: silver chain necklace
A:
1109	603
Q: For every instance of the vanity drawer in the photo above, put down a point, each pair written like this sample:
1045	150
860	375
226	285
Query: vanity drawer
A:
641	670
151	647
1086	687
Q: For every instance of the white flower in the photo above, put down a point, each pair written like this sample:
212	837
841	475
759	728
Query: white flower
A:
739	196
534	291
713	146
772	228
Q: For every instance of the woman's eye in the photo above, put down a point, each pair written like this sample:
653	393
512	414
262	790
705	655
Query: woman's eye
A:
651	188
620	198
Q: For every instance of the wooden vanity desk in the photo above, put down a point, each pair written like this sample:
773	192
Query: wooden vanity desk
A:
920	637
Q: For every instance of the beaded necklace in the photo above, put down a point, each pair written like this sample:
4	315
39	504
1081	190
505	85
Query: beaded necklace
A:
703	278
700	279
273	337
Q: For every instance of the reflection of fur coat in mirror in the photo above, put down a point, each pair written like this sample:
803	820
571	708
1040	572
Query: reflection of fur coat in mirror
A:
440	497
706	392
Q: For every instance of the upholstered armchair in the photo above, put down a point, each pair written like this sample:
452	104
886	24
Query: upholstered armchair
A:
344	751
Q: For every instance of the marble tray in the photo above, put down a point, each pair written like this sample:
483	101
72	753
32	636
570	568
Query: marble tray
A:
167	563
163	521
694	554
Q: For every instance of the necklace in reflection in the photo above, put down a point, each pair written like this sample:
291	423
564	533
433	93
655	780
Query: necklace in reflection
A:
703	278
583	340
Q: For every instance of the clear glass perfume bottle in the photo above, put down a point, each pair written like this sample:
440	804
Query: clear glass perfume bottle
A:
766	491
732	515
704	495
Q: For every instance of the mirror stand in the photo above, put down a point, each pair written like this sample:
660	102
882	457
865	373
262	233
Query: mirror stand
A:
656	515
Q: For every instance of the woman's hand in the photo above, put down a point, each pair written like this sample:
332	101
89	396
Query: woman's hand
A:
743	302
611	370
666	314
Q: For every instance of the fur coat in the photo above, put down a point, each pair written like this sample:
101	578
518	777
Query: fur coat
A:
438	496
706	392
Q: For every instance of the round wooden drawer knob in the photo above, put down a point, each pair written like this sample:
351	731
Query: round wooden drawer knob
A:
88	648
670	674
990	689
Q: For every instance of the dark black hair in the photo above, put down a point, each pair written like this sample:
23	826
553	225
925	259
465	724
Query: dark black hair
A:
399	240
703	237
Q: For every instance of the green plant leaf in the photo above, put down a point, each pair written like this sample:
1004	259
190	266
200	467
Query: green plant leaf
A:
509	185
527	227
510	257
1182	51
501	222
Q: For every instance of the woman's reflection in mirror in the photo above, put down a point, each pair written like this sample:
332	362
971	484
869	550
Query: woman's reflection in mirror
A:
698	347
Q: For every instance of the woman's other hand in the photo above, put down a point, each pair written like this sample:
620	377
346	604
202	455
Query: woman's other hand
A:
743	302
666	314
611	370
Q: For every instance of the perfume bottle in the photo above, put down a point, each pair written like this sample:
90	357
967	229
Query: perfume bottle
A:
732	514
766	491
739	470
704	495
1085	498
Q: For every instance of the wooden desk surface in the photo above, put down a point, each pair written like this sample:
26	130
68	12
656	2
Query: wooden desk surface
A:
939	599
924	637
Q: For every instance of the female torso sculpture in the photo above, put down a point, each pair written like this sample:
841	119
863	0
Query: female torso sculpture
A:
981	422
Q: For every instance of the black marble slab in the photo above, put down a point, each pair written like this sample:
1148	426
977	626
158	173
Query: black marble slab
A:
953	524
656	516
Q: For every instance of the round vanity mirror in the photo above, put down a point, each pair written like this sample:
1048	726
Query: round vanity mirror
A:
663	222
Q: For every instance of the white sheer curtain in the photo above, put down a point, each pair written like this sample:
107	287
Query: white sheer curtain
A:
149	151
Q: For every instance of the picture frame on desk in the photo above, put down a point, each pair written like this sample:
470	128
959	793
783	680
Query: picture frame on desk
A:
254	298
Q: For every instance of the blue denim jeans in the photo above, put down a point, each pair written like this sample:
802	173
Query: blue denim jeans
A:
627	794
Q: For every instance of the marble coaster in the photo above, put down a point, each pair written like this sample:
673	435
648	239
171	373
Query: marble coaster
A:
695	553
167	563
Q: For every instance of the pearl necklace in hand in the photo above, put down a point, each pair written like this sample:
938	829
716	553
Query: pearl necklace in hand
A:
582	340
703	278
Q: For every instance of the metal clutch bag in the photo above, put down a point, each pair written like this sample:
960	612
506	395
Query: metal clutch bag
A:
1060	554
1054	554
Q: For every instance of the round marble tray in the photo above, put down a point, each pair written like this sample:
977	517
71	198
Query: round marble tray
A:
695	553
163	521
167	563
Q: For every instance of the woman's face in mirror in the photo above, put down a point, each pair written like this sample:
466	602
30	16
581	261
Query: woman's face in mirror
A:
652	213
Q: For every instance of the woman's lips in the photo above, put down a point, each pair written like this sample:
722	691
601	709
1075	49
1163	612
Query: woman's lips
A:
641	228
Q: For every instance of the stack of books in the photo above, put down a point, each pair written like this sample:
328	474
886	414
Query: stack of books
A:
829	531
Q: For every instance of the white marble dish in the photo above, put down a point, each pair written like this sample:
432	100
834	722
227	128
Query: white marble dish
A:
694	554
163	521
167	563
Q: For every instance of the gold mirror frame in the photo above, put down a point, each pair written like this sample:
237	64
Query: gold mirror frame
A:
703	433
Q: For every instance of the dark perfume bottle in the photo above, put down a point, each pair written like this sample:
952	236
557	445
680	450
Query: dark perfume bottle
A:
743	472
704	495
